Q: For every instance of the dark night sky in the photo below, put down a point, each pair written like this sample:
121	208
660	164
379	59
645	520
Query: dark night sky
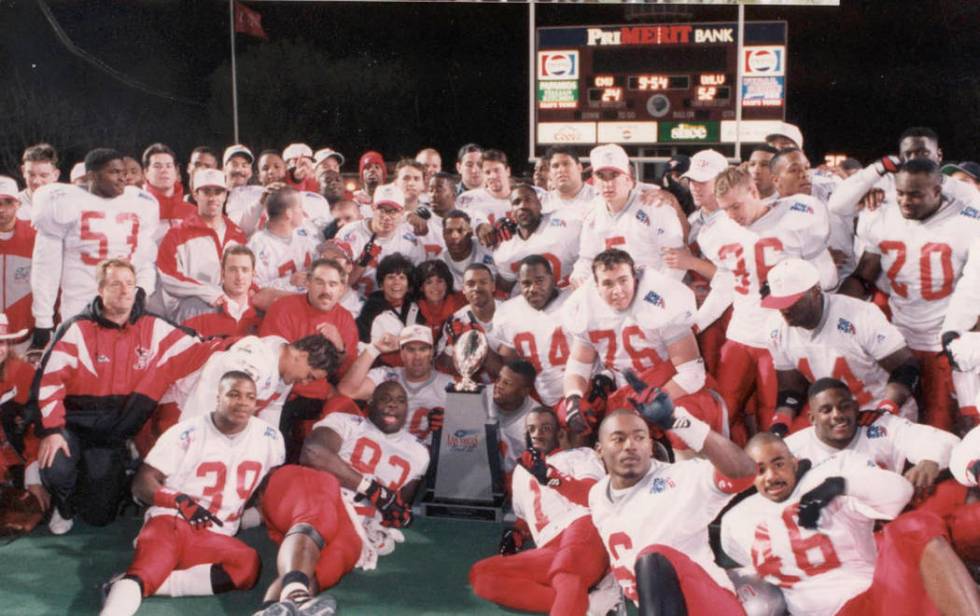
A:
399	76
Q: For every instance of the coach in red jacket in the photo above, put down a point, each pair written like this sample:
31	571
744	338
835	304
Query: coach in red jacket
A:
98	383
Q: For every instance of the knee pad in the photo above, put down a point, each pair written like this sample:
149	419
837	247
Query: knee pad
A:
658	587
307	529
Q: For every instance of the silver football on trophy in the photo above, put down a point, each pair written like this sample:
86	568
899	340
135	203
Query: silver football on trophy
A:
468	355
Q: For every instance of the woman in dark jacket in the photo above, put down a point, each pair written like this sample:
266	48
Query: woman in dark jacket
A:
390	308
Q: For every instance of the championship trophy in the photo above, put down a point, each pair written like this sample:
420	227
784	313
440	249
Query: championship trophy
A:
467	462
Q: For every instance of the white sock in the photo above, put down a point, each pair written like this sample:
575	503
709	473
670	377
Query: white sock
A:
291	588
192	582
123	600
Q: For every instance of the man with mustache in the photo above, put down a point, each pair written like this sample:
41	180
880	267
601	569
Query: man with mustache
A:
343	507
653	517
921	244
817	335
550	499
548	235
810	530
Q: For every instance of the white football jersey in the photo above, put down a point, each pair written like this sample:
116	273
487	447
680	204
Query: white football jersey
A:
423	397
392	459
478	254
219	471
662	312
197	393
574	209
482	206
545	510
433	243
403	241
466	315
818	570
555	239
847	344
277	258
511	429
964	455
76	230
24	210
244	207
641	230
672	505
538	337
923	261
884	438
794	227
964	305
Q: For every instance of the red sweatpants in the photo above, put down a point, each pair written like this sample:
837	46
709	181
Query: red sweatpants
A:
552	579
936	398
746	370
702	595
298	494
897	586
168	543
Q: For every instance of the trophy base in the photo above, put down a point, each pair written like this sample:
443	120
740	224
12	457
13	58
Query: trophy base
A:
479	511
455	388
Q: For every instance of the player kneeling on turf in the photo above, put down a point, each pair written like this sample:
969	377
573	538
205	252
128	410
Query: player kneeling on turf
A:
550	495
198	477
811	531
344	510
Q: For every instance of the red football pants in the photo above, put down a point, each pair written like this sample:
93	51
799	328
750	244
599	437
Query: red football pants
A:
711	340
897	586
302	495
553	579
936	390
168	543
746	370
702	595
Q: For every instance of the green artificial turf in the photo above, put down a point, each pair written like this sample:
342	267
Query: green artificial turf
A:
44	574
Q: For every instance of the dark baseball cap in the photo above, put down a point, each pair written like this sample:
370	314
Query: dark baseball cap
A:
968	167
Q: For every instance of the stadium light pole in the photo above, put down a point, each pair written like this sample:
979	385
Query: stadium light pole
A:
530	80
234	74
738	82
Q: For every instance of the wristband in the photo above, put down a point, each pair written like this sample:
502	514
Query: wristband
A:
165	497
889	406
782	417
690	429
364	485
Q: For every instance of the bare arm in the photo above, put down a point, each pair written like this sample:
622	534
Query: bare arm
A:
863	278
728	458
576	383
146	483
320	452
356	383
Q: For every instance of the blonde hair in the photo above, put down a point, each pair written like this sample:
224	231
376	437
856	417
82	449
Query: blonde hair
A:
102	269
730	179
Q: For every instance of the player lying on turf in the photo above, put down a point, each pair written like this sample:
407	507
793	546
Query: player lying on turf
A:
811	531
550	497
341	508
198	478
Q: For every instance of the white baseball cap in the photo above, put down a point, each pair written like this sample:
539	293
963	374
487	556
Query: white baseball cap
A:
6	334
8	187
237	150
790	131
415	333
389	194
77	171
706	165
208	177
788	281
325	153
609	157
297	150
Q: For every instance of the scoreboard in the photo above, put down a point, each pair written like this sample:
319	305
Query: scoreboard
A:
657	84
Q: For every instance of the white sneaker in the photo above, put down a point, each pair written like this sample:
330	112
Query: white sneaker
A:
59	525
606	597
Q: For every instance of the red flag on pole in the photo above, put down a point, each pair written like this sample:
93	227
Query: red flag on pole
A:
248	21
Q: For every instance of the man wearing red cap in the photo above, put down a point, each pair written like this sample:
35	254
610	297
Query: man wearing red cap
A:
817	335
16	247
372	170
383	234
